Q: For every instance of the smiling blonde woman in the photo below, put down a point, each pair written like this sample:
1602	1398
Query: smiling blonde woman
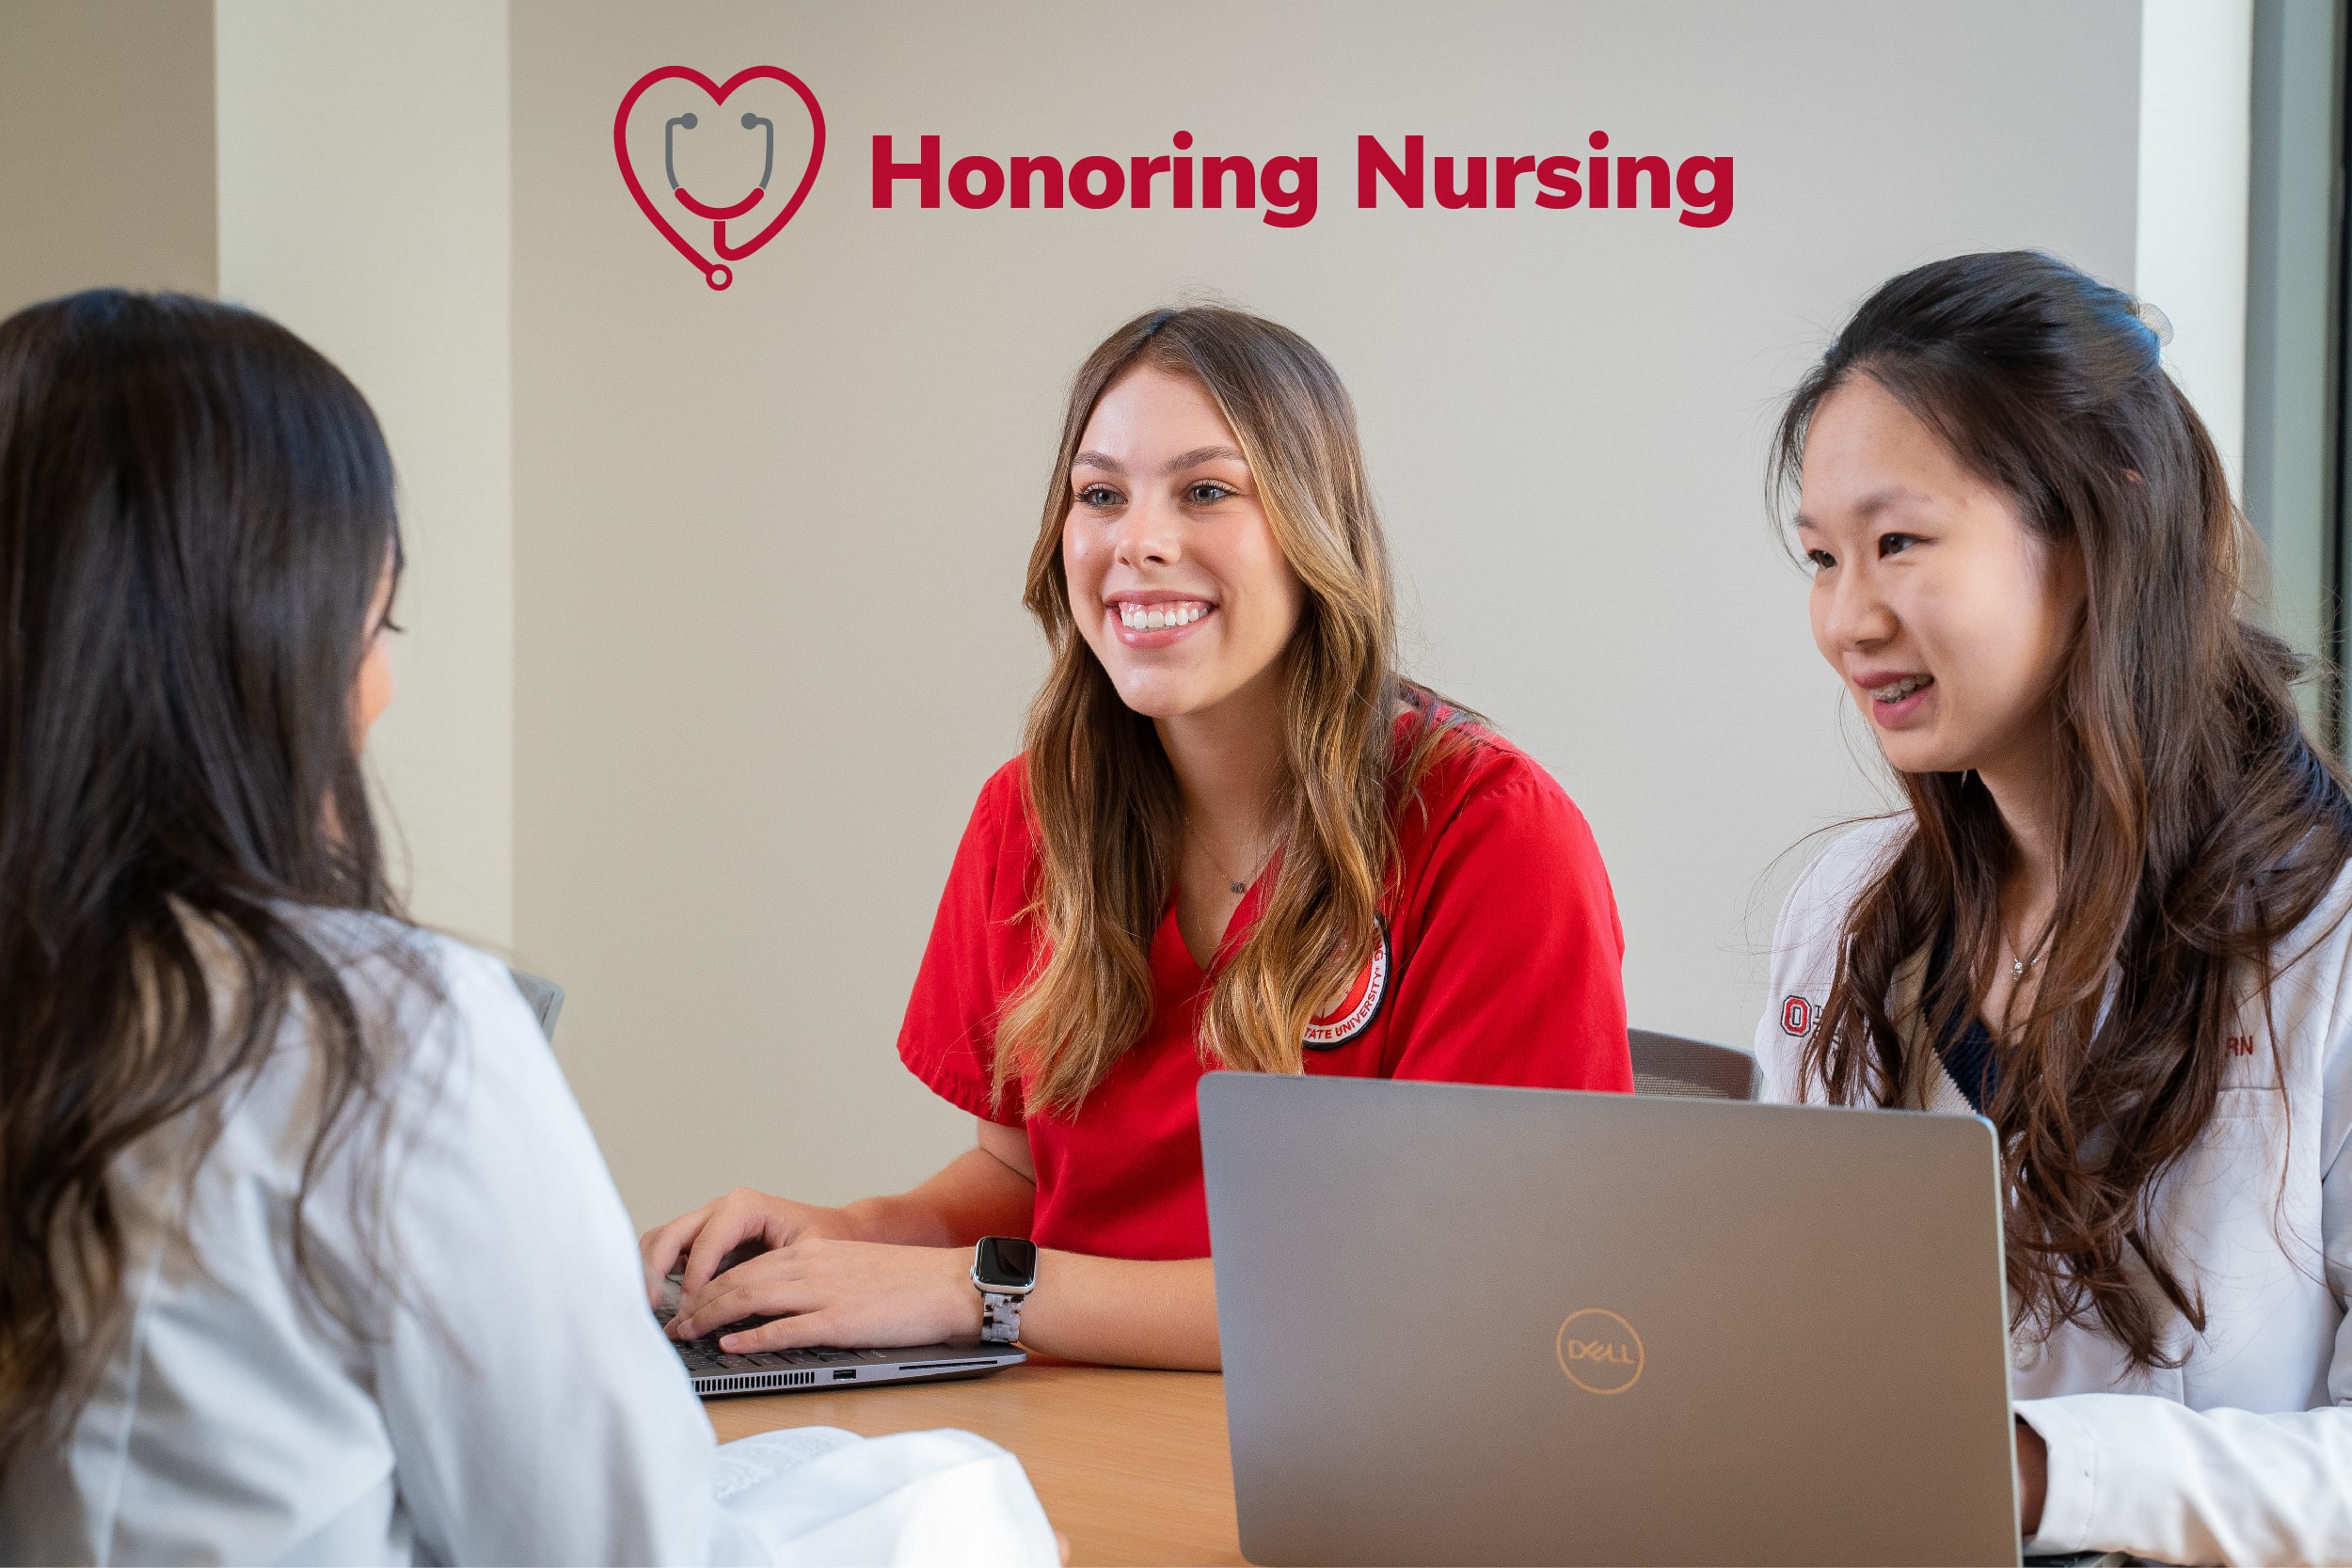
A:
1237	837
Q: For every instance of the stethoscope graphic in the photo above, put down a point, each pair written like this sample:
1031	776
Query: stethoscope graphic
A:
719	214
715	271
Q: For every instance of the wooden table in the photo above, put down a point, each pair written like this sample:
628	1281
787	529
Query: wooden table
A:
1131	1465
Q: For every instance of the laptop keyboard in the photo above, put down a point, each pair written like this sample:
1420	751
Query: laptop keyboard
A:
702	1356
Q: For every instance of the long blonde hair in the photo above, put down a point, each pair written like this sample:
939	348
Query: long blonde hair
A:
1104	795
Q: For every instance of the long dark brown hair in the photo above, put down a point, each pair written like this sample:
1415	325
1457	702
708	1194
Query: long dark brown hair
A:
1104	795
195	511
2198	824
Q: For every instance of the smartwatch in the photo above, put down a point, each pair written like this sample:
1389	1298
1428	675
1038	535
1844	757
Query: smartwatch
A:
1004	1271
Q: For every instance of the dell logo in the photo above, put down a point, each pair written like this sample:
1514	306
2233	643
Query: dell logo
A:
1598	1351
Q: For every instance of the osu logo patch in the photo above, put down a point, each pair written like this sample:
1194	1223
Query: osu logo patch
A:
1361	1006
1796	1017
1599	1350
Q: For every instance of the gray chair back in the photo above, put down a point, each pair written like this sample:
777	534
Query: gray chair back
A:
1669	1064
545	996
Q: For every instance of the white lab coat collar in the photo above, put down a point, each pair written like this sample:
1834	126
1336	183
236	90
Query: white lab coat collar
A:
2243	1453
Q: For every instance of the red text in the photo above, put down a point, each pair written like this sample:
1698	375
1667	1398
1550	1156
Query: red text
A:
1701	184
1285	187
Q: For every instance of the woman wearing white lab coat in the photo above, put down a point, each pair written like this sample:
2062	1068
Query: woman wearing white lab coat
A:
310	1254
2111	917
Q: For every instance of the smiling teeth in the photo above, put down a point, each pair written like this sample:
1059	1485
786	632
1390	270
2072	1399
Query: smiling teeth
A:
1135	617
1900	689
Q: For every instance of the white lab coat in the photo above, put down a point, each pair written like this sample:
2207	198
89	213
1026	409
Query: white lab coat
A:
2244	1452
519	1406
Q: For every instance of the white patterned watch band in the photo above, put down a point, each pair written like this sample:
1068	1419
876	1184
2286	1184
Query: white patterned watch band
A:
1001	1318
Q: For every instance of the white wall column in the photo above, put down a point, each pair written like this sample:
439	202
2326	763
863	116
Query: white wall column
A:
366	202
2195	106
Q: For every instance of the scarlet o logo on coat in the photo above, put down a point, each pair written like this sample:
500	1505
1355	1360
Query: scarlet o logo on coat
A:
1796	1017
1359	1007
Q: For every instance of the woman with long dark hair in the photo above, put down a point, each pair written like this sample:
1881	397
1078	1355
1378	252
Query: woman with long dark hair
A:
1236	837
305	1252
2111	917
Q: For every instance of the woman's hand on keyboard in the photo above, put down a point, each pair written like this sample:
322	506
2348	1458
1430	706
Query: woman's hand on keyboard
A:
700	1242
823	1290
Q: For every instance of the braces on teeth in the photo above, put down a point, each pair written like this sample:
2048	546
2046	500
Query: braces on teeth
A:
1901	689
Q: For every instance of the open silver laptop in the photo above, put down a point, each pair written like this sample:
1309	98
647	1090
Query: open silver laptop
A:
1466	1324
715	1372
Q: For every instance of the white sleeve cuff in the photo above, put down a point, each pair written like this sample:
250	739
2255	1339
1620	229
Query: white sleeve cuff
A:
2066	1503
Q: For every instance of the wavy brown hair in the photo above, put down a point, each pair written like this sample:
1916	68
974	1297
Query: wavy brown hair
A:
2198	824
195	511
1103	796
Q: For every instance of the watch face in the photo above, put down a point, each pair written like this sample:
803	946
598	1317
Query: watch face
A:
1004	1262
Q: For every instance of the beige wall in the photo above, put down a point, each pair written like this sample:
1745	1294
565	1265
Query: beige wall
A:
364	187
714	608
105	147
770	541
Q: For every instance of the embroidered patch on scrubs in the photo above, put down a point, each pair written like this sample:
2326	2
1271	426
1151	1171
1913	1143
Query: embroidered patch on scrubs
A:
1361	1006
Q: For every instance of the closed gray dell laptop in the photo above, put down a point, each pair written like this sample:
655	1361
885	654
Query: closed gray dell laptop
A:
1466	1324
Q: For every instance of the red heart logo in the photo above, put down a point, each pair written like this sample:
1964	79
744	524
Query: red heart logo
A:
716	273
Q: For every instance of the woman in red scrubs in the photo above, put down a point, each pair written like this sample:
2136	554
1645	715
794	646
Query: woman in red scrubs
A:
1235	837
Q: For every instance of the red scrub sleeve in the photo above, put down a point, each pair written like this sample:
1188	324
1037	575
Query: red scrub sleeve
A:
980	950
1516	976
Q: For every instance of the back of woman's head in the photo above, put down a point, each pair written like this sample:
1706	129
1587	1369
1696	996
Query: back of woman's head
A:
195	520
2196	823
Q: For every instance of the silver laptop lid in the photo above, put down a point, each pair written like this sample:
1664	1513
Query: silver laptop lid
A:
1464	1324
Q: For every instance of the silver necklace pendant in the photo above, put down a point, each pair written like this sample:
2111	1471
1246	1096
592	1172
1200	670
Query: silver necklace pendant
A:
2017	969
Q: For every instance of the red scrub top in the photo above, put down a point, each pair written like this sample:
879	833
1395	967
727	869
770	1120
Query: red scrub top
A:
1501	965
